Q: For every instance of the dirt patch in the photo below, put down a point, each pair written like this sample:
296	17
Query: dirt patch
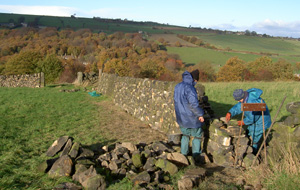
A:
123	127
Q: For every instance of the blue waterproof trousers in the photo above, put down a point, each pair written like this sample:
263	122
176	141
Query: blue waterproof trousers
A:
185	139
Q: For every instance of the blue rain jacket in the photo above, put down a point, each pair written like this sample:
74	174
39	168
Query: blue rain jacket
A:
186	103
253	118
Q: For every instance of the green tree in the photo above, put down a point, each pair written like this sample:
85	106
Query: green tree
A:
23	63
51	66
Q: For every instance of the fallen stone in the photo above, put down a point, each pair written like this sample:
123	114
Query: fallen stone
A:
67	148
166	166
86	153
62	167
293	107
137	160
178	159
141	178
149	165
82	173
160	147
185	184
106	156
292	120
130	146
74	150
95	182
57	146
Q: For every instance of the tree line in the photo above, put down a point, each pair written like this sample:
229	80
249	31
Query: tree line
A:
61	54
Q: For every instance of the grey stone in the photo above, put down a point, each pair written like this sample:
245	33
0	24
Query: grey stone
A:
126	156
86	153
178	159
185	184
141	178
130	146
85	161
67	147
166	166
57	146
114	156
105	156
113	166
147	153
62	167
160	147
137	160
120	151
292	120
82	173
293	107
96	182
149	165
74	150
105	164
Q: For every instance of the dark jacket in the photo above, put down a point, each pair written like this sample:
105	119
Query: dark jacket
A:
186	103
253	118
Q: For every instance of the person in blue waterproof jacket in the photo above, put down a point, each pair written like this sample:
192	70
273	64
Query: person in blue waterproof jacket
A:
253	119
189	115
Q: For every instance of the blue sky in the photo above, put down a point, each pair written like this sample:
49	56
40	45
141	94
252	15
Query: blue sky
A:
272	17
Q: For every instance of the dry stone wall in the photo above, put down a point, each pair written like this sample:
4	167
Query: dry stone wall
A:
149	100
28	80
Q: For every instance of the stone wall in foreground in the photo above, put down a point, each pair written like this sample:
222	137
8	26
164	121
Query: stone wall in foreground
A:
27	80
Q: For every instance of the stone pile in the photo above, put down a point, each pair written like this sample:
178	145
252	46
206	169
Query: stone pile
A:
294	119
221	144
148	166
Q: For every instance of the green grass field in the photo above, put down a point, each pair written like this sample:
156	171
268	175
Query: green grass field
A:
31	120
194	55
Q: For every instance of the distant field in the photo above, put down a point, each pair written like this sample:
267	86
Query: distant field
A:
253	44
193	55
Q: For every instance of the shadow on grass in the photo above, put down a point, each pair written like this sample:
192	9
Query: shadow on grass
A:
59	85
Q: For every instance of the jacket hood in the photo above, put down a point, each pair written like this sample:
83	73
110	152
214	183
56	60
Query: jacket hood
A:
187	78
254	93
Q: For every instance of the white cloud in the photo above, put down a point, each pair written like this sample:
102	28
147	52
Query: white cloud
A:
39	10
278	28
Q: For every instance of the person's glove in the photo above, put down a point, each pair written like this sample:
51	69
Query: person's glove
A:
241	123
228	115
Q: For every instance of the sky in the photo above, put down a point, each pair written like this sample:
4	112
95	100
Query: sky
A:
271	17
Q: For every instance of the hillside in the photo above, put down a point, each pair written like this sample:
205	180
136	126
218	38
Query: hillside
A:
216	46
